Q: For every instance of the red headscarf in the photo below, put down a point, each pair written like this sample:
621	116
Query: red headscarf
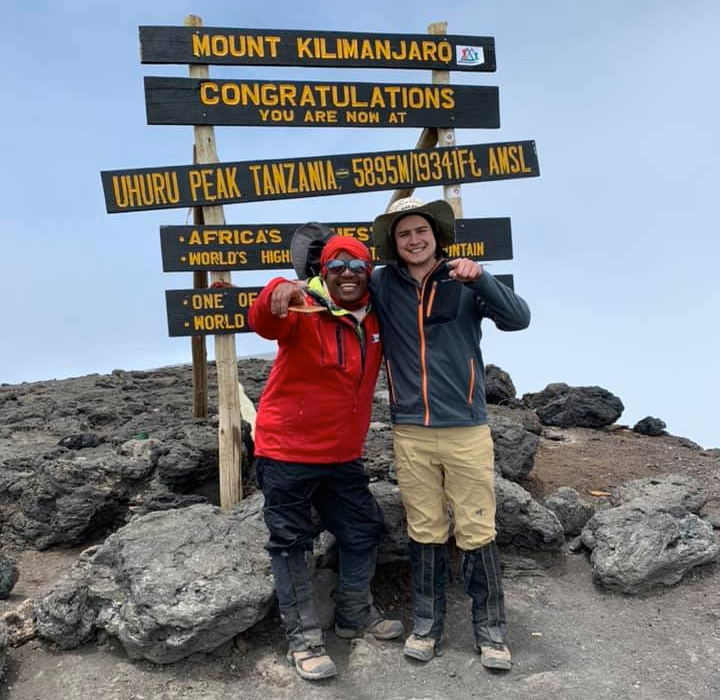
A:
353	247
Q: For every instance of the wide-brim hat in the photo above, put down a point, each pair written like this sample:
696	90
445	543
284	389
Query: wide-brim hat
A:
439	211
306	246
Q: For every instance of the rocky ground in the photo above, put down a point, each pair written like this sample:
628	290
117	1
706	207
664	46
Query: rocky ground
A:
570	637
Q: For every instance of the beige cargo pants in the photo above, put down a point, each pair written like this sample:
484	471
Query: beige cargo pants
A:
441	466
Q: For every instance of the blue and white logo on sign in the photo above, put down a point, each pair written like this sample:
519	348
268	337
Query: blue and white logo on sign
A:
469	55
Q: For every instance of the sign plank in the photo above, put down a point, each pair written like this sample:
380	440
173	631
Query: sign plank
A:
279	47
213	311
251	181
290	103
219	311
267	246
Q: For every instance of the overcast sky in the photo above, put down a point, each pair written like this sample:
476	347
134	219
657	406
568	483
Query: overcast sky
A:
616	244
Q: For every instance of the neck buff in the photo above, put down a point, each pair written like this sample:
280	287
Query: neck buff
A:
343	244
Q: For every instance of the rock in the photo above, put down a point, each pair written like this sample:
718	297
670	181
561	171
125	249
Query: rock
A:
520	521
650	426
672	490
515	447
167	501
582	406
67	614
19	623
80	441
3	649
324	583
572	512
191	457
69	501
167	585
8	576
711	512
523	522
646	543
394	544
499	388
378	455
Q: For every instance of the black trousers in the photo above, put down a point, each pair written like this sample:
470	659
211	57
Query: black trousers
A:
340	494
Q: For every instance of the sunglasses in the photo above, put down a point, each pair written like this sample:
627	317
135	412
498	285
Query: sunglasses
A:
356	266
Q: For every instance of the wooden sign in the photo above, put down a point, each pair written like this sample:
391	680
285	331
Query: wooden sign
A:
277	47
252	181
219	311
288	103
214	311
267	246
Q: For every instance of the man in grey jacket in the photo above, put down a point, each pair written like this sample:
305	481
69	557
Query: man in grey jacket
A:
430	310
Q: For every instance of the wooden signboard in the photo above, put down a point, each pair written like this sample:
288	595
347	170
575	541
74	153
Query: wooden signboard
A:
267	246
288	103
251	181
220	311
213	311
279	47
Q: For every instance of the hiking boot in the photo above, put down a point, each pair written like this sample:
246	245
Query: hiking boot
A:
420	648
495	656
312	664
380	629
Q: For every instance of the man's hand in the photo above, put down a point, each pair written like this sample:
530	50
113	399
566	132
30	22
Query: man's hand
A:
285	294
464	270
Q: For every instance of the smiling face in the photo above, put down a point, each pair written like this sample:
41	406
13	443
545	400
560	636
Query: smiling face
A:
346	286
415	241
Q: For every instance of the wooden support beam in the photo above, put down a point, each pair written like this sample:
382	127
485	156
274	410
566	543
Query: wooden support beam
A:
230	418
446	137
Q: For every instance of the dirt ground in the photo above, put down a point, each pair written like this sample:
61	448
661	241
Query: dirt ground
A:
570	639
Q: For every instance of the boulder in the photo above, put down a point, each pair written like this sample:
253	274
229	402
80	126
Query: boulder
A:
572	512
394	544
523	522
650	426
3	649
520	521
19	623
67	501
515	447
566	406
670	491
646	543
8	576
499	388
80	441
167	585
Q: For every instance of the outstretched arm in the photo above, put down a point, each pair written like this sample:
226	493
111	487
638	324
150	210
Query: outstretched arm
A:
509	311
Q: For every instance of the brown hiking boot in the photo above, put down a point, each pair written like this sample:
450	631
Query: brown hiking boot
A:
312	664
420	648
495	656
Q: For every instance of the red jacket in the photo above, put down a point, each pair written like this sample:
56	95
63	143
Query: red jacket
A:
316	405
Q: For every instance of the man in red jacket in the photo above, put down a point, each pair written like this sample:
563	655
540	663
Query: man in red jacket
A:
310	429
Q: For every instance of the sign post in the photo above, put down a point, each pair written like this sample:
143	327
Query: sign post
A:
230	418
198	344
446	136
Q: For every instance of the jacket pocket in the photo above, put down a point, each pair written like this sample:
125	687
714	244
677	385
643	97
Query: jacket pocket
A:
332	341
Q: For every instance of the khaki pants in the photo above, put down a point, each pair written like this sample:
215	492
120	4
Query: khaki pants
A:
437	466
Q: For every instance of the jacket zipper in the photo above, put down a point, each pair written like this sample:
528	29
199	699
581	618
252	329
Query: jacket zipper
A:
338	338
391	384
431	300
421	332
472	381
